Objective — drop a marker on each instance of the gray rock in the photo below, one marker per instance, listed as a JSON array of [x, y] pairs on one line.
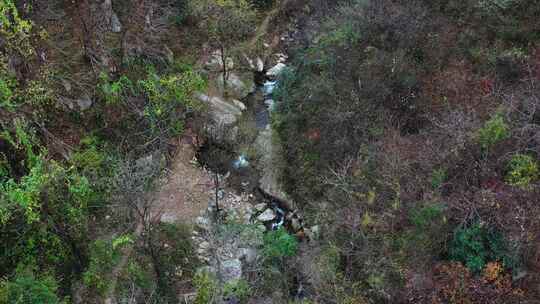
[[215, 62], [239, 104], [260, 207], [295, 224], [313, 233], [276, 70], [267, 215], [249, 255], [222, 112], [204, 245], [116, 26], [259, 64], [231, 270], [236, 86], [168, 218], [281, 58], [84, 103], [67, 85], [270, 152], [316, 230], [308, 233], [203, 222]]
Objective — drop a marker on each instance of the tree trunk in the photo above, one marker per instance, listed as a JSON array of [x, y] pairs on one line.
[[225, 72], [216, 186]]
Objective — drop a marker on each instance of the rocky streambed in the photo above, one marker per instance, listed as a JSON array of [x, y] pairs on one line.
[[249, 200]]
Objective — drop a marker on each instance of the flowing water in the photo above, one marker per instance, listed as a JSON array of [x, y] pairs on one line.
[[243, 173]]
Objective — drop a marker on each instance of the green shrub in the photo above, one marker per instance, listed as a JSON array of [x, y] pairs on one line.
[[494, 131], [279, 244], [424, 216], [205, 284], [6, 93], [262, 4], [238, 289], [114, 92], [27, 288], [477, 245], [176, 256], [438, 177], [523, 169], [4, 168], [15, 29], [427, 237], [103, 256]]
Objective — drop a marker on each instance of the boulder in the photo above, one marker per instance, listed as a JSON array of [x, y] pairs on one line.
[[215, 63], [267, 215], [203, 222], [237, 87], [116, 26], [269, 151], [204, 245], [313, 233], [281, 58], [259, 64], [239, 104], [222, 112], [276, 70], [249, 255], [84, 103], [260, 207]]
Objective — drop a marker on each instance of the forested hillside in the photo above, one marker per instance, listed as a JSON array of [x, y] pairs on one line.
[[269, 151]]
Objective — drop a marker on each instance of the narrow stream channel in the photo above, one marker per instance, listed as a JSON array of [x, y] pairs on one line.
[[243, 174]]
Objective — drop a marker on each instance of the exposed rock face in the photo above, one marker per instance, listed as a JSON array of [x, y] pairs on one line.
[[222, 112], [238, 86], [269, 166], [215, 63], [256, 65], [226, 252]]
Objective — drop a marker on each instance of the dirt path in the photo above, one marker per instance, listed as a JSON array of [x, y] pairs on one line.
[[262, 29], [186, 190], [183, 195]]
